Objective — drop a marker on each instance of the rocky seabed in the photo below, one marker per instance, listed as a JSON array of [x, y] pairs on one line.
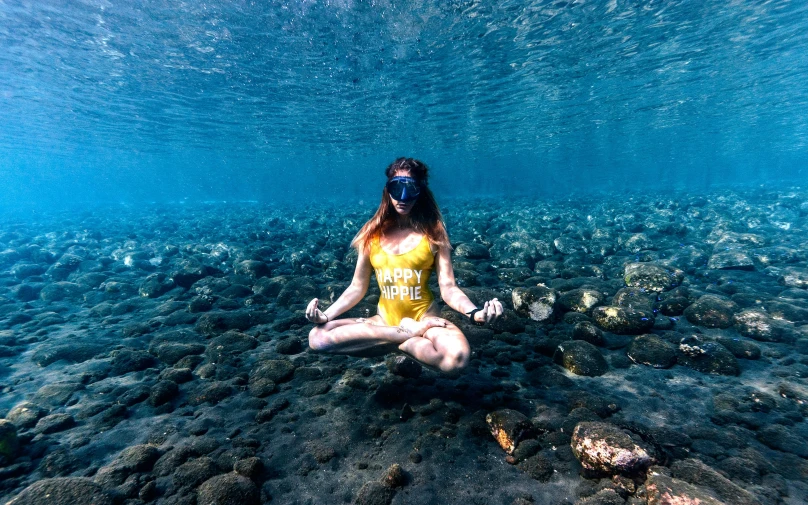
[[654, 350]]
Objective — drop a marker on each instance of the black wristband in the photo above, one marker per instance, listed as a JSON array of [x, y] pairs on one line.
[[471, 316]]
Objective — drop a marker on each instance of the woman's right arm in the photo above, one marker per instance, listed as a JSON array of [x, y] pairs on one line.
[[354, 293]]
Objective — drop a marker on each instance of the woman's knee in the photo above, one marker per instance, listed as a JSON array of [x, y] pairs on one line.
[[455, 359], [317, 341]]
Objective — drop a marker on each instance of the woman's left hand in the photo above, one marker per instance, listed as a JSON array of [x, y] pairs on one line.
[[490, 312]]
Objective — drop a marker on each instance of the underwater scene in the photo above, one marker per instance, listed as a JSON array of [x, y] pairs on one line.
[[389, 253]]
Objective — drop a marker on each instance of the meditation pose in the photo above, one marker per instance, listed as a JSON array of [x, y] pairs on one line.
[[402, 244]]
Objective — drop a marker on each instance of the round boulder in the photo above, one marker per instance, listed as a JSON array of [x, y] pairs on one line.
[[537, 302], [707, 357], [712, 311], [62, 491], [653, 351], [472, 251], [651, 277], [228, 489], [8, 442], [580, 300], [581, 358], [603, 447], [623, 320]]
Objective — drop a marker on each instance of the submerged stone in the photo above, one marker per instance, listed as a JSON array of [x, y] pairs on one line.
[[581, 358], [652, 277], [509, 427], [712, 311], [653, 351], [707, 357], [603, 447], [537, 302], [623, 320]]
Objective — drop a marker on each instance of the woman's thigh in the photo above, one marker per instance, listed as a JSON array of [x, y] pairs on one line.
[[336, 323]]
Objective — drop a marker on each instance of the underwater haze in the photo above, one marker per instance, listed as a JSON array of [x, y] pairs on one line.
[[107, 101]]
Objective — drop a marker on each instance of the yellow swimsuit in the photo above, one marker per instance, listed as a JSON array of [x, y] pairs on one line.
[[403, 281]]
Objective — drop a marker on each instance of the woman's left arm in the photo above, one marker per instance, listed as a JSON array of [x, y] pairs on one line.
[[455, 297]]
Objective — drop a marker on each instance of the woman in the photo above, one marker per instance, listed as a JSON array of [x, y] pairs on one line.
[[402, 243]]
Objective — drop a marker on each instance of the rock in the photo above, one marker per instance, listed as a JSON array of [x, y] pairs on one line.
[[156, 285], [252, 268], [375, 493], [275, 370], [697, 473], [581, 358], [135, 459], [652, 351], [740, 348], [298, 290], [733, 259], [214, 323], [651, 277], [537, 467], [622, 320], [757, 324], [211, 393], [509, 427], [603, 447], [795, 277], [56, 394], [289, 346], [62, 491], [526, 449], [712, 311], [661, 489], [472, 251], [587, 332], [394, 477], [25, 414], [673, 306], [581, 300], [226, 348], [707, 357], [228, 489], [125, 361], [634, 298], [163, 392], [54, 423], [57, 291], [9, 444], [249, 467], [315, 388], [637, 242], [72, 353], [602, 497], [404, 366], [190, 271], [537, 302], [171, 352], [194, 472], [779, 437]]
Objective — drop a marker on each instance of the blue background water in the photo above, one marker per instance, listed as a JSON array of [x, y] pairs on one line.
[[163, 100]]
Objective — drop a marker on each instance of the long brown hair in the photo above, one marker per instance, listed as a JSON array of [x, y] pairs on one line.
[[425, 215]]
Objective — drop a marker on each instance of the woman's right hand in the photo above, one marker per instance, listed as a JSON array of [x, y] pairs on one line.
[[314, 314]]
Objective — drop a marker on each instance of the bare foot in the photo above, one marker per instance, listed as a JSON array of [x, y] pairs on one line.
[[418, 328]]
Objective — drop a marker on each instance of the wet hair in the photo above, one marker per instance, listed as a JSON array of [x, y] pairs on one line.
[[425, 215]]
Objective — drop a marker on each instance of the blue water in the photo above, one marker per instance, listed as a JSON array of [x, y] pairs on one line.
[[106, 101]]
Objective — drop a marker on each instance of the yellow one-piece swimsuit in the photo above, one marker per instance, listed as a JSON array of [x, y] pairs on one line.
[[403, 281]]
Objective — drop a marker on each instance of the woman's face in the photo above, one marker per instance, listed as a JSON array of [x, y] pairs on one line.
[[403, 208]]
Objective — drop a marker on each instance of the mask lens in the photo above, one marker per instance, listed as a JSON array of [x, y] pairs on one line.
[[403, 189]]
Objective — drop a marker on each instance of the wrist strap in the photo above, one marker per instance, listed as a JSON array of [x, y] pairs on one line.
[[327, 320], [471, 315]]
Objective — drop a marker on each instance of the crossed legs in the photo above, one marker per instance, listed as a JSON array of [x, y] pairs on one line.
[[433, 341]]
